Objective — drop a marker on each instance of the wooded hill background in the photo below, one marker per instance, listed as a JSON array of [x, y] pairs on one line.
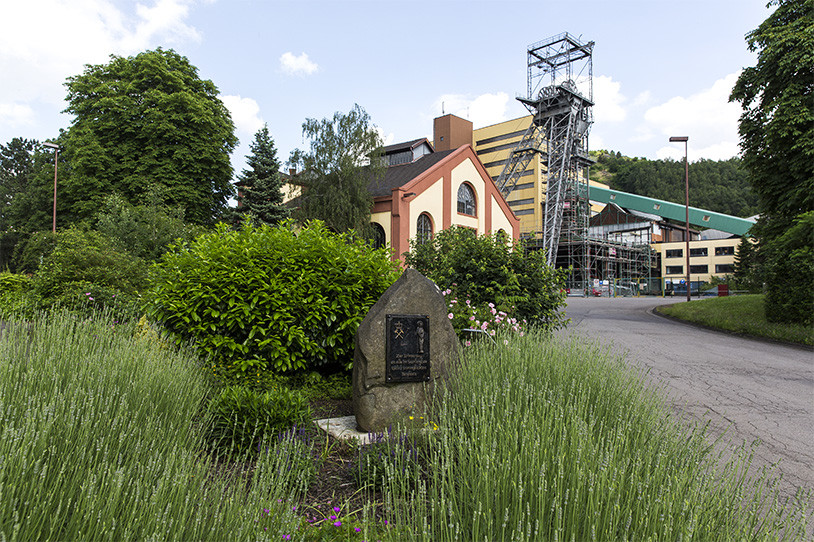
[[716, 185]]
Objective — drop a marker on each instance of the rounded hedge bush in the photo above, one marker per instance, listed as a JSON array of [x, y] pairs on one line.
[[277, 298], [484, 269], [86, 271]]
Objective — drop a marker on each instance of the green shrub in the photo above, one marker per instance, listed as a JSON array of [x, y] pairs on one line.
[[85, 265], [85, 298], [16, 295], [264, 298], [789, 296], [12, 282], [465, 317], [32, 250], [242, 417], [488, 269], [146, 229]]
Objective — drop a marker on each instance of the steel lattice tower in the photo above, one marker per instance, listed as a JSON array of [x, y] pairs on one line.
[[560, 98]]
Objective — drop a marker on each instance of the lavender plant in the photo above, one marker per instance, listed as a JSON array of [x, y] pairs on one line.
[[550, 440]]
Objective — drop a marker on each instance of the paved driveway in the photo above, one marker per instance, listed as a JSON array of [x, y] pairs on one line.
[[756, 389]]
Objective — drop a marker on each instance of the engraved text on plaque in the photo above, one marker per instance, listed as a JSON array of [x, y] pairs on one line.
[[408, 348]]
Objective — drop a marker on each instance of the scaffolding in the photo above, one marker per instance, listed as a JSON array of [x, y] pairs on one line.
[[560, 94], [560, 100]]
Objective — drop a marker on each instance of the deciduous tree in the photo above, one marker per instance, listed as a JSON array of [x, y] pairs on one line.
[[777, 123], [777, 140], [343, 158], [143, 120]]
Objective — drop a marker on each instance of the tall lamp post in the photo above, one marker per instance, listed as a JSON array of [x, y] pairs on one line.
[[684, 139], [56, 155]]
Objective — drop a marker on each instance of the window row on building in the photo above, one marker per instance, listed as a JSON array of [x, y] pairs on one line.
[[722, 268], [700, 252]]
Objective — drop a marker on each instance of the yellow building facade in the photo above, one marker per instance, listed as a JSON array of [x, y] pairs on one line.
[[708, 258], [493, 144]]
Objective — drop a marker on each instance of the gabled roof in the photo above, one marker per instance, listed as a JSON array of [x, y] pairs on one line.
[[395, 176], [405, 146]]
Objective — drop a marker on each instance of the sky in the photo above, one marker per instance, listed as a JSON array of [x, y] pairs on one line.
[[660, 68]]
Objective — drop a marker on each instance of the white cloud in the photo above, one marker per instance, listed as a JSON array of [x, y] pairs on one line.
[[165, 20], [245, 114], [597, 142], [15, 115], [707, 118], [297, 65], [387, 139], [44, 42], [642, 99], [482, 110], [608, 100]]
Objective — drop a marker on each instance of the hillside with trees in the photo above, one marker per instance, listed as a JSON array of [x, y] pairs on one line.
[[717, 185]]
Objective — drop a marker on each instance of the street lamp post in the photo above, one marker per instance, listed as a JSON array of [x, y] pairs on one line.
[[56, 155], [684, 139]]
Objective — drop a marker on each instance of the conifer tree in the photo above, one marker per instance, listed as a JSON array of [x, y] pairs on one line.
[[261, 184]]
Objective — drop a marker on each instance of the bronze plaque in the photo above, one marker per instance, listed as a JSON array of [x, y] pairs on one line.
[[408, 348]]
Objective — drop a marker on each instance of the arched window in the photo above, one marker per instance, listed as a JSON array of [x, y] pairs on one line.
[[379, 239], [466, 200], [423, 228]]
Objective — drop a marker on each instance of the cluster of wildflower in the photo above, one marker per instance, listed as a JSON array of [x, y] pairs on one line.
[[330, 517], [427, 424], [485, 317]]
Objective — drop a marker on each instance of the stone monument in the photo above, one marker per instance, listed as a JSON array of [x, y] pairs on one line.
[[404, 347]]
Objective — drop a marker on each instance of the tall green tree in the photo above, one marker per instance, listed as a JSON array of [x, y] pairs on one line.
[[16, 170], [26, 185], [261, 183], [777, 143], [777, 124], [343, 159], [143, 120], [147, 229], [26, 193]]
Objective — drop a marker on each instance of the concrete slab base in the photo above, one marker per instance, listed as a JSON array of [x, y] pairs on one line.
[[343, 428]]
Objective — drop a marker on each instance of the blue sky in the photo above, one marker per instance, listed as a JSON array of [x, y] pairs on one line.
[[661, 68]]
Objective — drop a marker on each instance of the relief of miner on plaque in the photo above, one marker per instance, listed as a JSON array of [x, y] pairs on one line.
[[408, 357]]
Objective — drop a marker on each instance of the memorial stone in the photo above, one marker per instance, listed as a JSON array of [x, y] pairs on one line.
[[404, 348]]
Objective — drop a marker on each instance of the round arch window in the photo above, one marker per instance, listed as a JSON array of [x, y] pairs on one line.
[[379, 239], [423, 228], [466, 199]]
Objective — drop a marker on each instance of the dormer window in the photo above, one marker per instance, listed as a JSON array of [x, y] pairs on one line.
[[406, 153], [398, 158]]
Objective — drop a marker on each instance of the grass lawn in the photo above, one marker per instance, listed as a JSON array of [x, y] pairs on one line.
[[739, 314]]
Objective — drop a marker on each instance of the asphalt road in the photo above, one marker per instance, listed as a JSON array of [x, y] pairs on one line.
[[750, 388]]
